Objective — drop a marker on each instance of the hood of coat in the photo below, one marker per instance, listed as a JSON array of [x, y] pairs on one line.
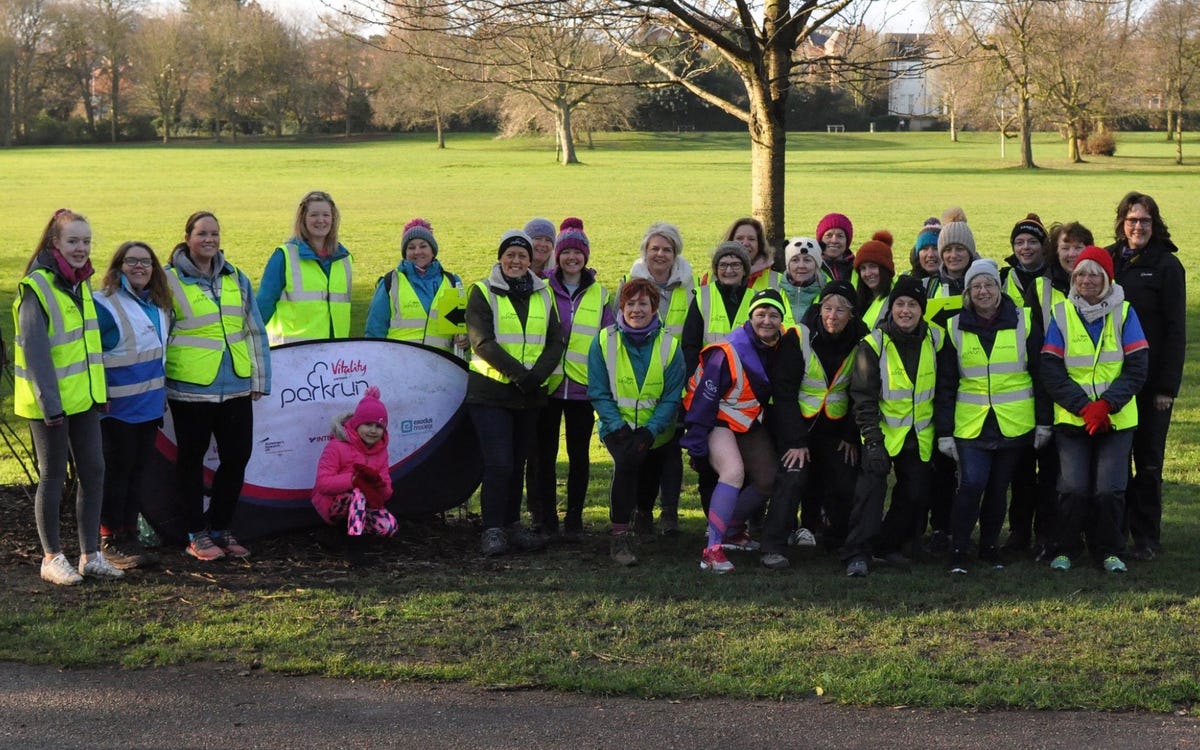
[[340, 432]]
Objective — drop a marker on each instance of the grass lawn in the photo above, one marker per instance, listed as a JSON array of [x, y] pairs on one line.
[[567, 619]]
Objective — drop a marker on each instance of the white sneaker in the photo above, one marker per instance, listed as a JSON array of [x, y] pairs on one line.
[[802, 537], [58, 571], [98, 567]]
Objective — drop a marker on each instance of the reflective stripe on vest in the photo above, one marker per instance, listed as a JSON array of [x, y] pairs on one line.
[[409, 320], [1093, 366], [637, 403], [136, 364], [739, 407], [998, 382], [1048, 296], [875, 313], [717, 324], [203, 330], [766, 280], [587, 311], [523, 343], [311, 303], [75, 351], [818, 393], [903, 404], [673, 309]]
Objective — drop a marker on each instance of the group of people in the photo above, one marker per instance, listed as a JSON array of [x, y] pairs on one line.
[[795, 385]]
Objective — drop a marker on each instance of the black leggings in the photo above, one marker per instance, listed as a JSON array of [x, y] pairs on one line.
[[580, 419], [196, 422], [126, 448]]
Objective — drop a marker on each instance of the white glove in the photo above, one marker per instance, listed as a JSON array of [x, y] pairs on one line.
[[1041, 436], [947, 447]]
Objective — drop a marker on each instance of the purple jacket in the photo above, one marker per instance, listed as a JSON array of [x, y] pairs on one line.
[[566, 305]]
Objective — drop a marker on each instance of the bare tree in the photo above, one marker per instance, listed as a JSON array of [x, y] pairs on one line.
[[77, 57], [163, 74], [24, 25], [115, 24], [1172, 39], [1004, 30]]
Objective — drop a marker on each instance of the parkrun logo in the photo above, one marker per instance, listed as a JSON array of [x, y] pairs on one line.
[[326, 382]]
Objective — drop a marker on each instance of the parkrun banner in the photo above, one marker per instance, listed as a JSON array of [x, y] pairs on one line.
[[432, 448]]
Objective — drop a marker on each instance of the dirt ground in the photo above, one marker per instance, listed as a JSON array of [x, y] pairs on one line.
[[207, 705]]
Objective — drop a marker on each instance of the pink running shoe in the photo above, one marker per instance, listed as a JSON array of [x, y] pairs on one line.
[[714, 559]]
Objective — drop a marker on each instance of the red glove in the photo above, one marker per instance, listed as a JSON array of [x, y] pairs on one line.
[[1095, 416], [366, 477]]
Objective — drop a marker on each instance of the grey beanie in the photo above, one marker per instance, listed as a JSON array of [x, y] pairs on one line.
[[956, 232], [418, 229], [730, 247], [540, 227]]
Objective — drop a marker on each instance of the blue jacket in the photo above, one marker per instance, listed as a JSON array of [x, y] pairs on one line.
[[379, 314], [144, 407], [601, 393], [273, 279]]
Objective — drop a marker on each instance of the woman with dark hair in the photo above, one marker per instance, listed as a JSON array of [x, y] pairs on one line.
[[635, 381], [749, 232], [1148, 269], [218, 365], [134, 313], [876, 270], [59, 386], [304, 293], [516, 341], [1094, 362]]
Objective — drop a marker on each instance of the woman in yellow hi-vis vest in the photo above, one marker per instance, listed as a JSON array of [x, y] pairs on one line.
[[583, 310], [305, 290], [989, 411], [1094, 363], [218, 364], [516, 342], [59, 386], [408, 300]]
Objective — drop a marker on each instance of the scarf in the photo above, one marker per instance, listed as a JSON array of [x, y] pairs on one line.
[[70, 274], [1093, 312], [637, 336]]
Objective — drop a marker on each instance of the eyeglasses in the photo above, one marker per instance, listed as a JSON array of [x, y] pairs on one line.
[[1138, 220], [980, 286], [729, 267], [138, 262]]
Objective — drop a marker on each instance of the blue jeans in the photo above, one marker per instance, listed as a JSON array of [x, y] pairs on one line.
[[1095, 471], [984, 473]]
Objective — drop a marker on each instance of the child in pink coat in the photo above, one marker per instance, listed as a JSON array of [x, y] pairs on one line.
[[353, 481]]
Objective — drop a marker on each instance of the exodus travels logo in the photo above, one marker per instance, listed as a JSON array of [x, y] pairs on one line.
[[410, 426], [326, 382]]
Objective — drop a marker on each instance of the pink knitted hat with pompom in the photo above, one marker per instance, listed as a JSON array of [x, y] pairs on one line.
[[370, 409], [570, 235]]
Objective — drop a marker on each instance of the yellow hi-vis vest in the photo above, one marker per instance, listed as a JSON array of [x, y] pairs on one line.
[[585, 324], [1094, 367], [75, 349], [409, 320], [875, 312], [311, 304], [522, 343], [717, 324], [1000, 382], [903, 404], [768, 279], [1047, 295], [203, 330], [637, 403], [819, 393], [673, 308]]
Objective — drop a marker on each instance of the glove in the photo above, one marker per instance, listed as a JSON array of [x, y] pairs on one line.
[[695, 441], [947, 447], [876, 459], [529, 385], [1095, 417], [616, 440], [643, 438], [1041, 436]]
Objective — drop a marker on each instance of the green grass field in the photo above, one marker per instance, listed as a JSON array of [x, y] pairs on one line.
[[568, 620]]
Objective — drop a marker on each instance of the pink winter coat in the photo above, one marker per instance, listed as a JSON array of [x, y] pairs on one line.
[[335, 470]]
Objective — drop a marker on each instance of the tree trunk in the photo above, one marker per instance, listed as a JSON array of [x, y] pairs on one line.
[[562, 121], [115, 100], [1179, 135], [1073, 143], [953, 125], [1026, 119], [768, 148]]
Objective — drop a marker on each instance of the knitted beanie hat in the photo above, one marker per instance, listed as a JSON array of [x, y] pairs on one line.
[[515, 237], [1098, 254], [1031, 224], [727, 248], [802, 246], [907, 286], [877, 250], [835, 221], [570, 235], [418, 229], [956, 232], [982, 267], [770, 298], [370, 409], [540, 227], [841, 288]]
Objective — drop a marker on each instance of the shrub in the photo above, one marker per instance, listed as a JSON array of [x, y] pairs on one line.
[[1099, 144]]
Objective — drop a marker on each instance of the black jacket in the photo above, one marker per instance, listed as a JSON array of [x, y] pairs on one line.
[[1155, 286]]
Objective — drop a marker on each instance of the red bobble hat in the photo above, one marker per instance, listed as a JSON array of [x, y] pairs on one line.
[[1098, 254], [877, 250]]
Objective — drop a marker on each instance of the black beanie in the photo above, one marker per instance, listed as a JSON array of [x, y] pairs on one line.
[[907, 286]]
